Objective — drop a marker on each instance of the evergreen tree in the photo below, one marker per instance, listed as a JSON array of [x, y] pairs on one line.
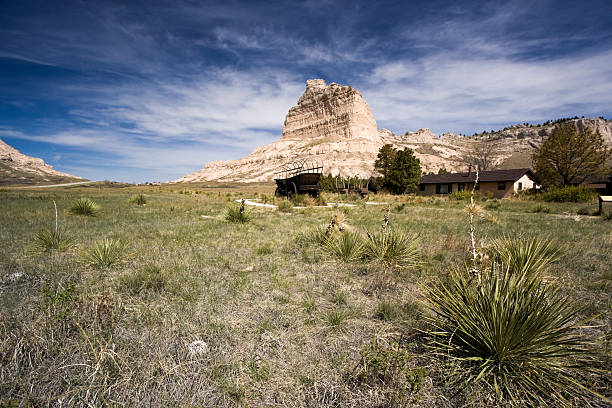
[[386, 156], [569, 156], [404, 174]]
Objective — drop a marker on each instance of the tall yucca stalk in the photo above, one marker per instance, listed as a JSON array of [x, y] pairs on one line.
[[509, 330], [49, 239]]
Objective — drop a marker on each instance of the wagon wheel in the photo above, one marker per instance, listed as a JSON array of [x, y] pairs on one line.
[[278, 192], [291, 189]]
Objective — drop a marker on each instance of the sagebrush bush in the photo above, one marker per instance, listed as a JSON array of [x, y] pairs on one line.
[[238, 214], [48, 239], [285, 206], [541, 209], [103, 254], [569, 194], [510, 333], [493, 204], [84, 206], [138, 199]]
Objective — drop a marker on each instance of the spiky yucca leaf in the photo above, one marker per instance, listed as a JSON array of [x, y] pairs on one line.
[[49, 239], [525, 255], [512, 333], [84, 206], [104, 253], [313, 236], [347, 246], [393, 247]]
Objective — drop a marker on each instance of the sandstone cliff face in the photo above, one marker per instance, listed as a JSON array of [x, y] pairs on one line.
[[16, 167], [334, 124], [331, 123]]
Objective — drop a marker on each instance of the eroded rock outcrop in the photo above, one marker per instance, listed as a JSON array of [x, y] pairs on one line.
[[334, 124], [16, 167], [330, 122]]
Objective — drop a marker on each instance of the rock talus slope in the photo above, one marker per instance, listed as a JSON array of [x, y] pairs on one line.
[[18, 168], [334, 124]]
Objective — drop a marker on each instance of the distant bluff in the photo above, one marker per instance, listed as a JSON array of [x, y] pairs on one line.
[[17, 168], [334, 124]]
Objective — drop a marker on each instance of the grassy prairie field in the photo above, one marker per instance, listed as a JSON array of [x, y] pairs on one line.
[[200, 311]]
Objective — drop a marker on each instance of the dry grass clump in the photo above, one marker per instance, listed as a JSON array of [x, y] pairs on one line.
[[149, 278], [48, 239]]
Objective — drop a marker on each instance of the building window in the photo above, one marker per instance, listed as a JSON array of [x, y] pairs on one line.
[[501, 185], [460, 187], [477, 187], [444, 188], [520, 186], [421, 187]]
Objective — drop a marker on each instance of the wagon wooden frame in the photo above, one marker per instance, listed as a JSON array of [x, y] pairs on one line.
[[299, 177]]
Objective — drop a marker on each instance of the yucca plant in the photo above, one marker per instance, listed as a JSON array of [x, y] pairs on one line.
[[393, 247], [104, 253], [347, 246], [511, 333], [138, 199], [84, 206], [313, 236], [49, 239], [237, 214], [525, 255]]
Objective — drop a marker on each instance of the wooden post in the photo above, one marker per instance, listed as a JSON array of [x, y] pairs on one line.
[[600, 205]]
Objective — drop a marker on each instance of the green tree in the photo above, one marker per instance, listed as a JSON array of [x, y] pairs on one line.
[[404, 174], [569, 156], [386, 156], [442, 170]]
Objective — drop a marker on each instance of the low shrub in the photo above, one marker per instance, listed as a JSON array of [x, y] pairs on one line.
[[493, 204], [138, 199], [569, 194], [285, 206], [84, 206], [237, 214], [463, 195], [540, 208], [104, 253]]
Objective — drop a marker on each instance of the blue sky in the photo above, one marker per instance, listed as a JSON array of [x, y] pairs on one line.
[[153, 90]]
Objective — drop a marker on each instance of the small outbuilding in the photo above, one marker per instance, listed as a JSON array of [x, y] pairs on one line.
[[501, 183]]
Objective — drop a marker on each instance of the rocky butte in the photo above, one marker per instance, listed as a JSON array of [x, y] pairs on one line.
[[17, 168], [335, 125]]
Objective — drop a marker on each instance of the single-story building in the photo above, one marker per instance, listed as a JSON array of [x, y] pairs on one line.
[[501, 183], [601, 184]]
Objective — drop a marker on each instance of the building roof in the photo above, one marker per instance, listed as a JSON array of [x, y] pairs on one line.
[[483, 176]]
